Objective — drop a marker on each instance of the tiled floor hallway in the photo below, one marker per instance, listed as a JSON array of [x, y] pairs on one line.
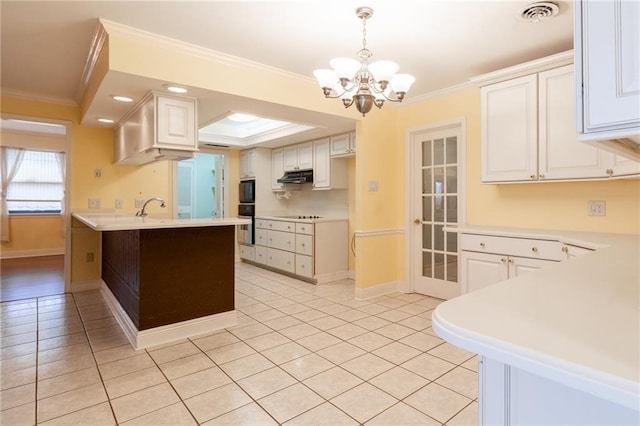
[[300, 355]]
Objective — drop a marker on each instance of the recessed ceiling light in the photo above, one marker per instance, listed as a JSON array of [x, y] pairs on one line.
[[122, 98], [175, 89], [242, 118], [105, 120]]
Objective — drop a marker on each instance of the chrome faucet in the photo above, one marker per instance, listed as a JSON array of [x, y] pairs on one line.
[[142, 212]]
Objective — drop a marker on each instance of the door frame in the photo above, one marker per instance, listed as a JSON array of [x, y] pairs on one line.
[[412, 134]]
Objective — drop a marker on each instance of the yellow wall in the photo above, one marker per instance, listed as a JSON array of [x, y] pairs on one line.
[[34, 233], [561, 206]]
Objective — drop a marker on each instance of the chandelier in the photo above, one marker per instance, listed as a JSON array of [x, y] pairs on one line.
[[360, 82]]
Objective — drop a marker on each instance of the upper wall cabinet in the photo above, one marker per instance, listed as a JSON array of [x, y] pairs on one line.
[[248, 164], [160, 127], [298, 157], [607, 50], [528, 132], [343, 145], [277, 168], [328, 173]]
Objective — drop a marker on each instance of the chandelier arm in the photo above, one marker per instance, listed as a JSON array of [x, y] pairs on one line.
[[327, 93]]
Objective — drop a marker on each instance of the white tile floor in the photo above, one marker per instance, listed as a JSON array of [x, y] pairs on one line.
[[300, 355]]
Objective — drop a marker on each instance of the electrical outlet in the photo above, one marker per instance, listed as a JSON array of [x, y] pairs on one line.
[[139, 203], [89, 256], [94, 203], [596, 208], [119, 203]]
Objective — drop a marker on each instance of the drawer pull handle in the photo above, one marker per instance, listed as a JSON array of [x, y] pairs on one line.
[[510, 260], [609, 172], [482, 245], [503, 260], [534, 249], [541, 175], [565, 249], [301, 244], [532, 176]]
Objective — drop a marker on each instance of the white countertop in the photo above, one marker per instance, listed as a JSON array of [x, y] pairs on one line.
[[576, 322], [121, 222]]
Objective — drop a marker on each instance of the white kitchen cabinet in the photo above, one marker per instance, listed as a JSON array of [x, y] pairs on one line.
[[343, 145], [248, 164], [528, 132], [328, 172], [314, 251], [298, 157], [607, 44], [247, 252], [489, 259], [277, 168], [159, 127]]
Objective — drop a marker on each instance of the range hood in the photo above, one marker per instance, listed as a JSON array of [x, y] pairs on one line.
[[299, 176]]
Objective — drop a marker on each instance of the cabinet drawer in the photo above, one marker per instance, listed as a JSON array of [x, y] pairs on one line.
[[281, 260], [523, 247], [304, 244], [304, 228], [277, 225], [574, 251], [262, 223], [261, 237], [304, 265], [281, 240], [247, 252], [260, 255]]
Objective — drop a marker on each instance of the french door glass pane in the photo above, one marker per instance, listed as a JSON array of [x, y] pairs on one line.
[[439, 207]]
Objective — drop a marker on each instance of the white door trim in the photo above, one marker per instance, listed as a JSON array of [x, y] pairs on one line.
[[411, 134]]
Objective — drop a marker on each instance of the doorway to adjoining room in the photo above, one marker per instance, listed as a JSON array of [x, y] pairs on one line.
[[201, 187]]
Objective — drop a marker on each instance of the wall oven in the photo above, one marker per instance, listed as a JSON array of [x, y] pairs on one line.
[[247, 191], [246, 232]]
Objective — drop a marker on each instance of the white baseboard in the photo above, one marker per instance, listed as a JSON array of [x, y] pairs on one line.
[[331, 276], [375, 291], [15, 254], [166, 333], [78, 286]]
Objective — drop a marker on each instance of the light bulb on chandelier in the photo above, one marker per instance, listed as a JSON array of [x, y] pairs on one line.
[[362, 83]]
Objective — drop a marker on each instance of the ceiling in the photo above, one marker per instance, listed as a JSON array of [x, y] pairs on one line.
[[44, 45]]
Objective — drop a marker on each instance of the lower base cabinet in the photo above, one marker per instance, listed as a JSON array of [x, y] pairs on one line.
[[512, 396], [316, 252]]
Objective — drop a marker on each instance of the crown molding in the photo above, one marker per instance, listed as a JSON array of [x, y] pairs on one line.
[[38, 97], [100, 37], [194, 50], [531, 67], [437, 94]]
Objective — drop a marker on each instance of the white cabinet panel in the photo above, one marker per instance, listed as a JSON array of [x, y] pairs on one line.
[[510, 131], [261, 237], [260, 255], [248, 164], [343, 145], [479, 270], [247, 252], [304, 228], [281, 259], [176, 122], [561, 155], [304, 265], [328, 173], [277, 168], [304, 244], [277, 225], [610, 64], [281, 240], [298, 157]]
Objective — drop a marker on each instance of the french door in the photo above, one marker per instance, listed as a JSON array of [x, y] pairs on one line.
[[437, 201]]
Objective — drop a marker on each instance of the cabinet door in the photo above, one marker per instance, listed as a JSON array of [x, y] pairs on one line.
[[479, 270], [321, 165], [509, 131], [247, 252], [176, 123], [277, 168], [521, 265], [261, 237], [561, 155], [305, 156], [281, 260], [290, 158], [281, 240], [260, 255], [304, 244], [622, 166], [304, 265], [247, 164], [611, 64], [341, 145]]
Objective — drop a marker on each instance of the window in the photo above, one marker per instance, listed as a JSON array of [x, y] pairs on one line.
[[38, 186]]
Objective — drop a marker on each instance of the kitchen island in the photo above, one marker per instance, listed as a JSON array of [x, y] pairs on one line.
[[560, 345], [166, 279]]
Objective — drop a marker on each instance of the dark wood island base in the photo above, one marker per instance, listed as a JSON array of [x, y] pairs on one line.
[[170, 282]]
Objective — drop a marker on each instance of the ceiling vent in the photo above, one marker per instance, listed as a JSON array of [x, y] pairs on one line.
[[536, 12]]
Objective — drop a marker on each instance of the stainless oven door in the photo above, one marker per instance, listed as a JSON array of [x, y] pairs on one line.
[[245, 232]]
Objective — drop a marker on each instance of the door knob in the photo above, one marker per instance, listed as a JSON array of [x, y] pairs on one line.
[[417, 221]]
